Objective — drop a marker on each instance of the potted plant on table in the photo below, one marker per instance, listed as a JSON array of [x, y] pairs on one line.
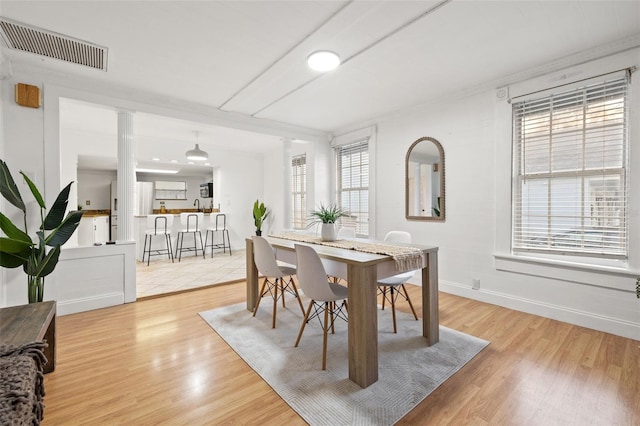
[[327, 216], [260, 213], [17, 248]]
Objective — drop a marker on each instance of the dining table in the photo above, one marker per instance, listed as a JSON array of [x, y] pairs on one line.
[[362, 270]]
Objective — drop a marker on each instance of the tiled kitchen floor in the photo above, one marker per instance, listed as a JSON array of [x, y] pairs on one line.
[[162, 276]]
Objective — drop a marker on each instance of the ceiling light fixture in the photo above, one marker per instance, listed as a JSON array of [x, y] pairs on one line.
[[159, 171], [323, 60], [197, 154]]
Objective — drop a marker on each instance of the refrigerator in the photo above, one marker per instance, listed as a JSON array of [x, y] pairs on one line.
[[143, 204]]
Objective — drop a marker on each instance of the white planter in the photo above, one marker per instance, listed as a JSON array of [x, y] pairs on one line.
[[328, 232]]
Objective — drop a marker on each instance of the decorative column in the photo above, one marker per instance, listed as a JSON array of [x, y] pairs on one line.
[[286, 187], [126, 175]]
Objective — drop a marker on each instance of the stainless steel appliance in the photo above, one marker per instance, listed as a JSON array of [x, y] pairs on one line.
[[206, 190]]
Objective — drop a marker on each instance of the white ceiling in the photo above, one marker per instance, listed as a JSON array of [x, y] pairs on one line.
[[249, 57]]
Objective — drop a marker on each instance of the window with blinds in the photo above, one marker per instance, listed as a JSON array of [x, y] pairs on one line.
[[570, 172], [353, 184], [299, 191]]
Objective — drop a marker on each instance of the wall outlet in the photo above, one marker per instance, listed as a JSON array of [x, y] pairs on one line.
[[88, 202], [475, 284]]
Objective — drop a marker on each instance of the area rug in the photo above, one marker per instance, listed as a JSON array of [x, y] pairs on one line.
[[408, 369]]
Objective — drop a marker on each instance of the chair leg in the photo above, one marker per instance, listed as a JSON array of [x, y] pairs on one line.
[[325, 329], [264, 283], [170, 247], [201, 246], [275, 303], [393, 309], [282, 287], [333, 323], [384, 295], [144, 250], [406, 295], [295, 289], [304, 323], [226, 231]]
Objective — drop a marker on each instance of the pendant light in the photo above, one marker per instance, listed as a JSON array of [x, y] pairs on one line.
[[197, 154]]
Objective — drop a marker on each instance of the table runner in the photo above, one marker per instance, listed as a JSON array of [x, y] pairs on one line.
[[406, 258]]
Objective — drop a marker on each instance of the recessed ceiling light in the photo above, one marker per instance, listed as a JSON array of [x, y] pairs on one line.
[[323, 60], [156, 159], [207, 164], [174, 161]]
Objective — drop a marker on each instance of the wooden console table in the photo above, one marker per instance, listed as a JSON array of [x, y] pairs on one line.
[[34, 322]]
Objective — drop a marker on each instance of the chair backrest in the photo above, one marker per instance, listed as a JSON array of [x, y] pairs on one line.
[[398, 237], [312, 276], [160, 222], [346, 232], [191, 221], [219, 221], [265, 258]]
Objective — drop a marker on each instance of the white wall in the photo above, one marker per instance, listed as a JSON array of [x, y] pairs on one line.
[[467, 129], [33, 145], [95, 187]]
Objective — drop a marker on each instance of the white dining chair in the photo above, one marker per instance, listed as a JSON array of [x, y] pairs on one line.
[[192, 223], [392, 287], [324, 295], [158, 224], [268, 266]]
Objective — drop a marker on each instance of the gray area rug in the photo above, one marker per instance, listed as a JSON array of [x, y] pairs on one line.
[[408, 369]]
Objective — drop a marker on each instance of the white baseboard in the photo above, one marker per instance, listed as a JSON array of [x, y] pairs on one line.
[[572, 316], [89, 303]]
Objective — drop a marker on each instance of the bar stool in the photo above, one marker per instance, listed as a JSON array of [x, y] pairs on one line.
[[220, 225], [191, 223], [161, 226]]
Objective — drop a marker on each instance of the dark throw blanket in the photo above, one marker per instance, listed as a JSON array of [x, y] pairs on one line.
[[22, 384]]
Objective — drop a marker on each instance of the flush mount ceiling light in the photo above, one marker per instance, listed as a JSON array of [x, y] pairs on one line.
[[197, 154], [159, 171], [323, 60]]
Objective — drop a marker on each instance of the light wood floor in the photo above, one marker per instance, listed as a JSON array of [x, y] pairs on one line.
[[156, 362]]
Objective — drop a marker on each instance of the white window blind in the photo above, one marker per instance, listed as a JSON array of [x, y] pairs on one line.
[[299, 191], [353, 184], [570, 172]]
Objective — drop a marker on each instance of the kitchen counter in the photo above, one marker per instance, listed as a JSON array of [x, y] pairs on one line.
[[95, 213], [178, 211]]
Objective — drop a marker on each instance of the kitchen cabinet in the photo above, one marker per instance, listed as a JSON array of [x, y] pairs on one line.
[[93, 229]]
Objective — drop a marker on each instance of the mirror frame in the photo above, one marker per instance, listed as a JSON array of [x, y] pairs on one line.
[[443, 203]]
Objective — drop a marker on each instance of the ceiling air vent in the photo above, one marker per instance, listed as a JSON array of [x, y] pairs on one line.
[[30, 39]]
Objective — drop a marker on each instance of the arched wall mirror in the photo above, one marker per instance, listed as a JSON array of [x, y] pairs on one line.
[[424, 182]]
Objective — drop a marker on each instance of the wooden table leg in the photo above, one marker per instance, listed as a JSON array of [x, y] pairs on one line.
[[252, 278], [430, 314], [50, 351], [363, 324]]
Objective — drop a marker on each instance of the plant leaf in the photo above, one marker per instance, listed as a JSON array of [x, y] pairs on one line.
[[63, 232], [13, 231], [49, 262], [34, 190], [10, 261], [15, 247], [9, 189], [56, 213], [40, 266]]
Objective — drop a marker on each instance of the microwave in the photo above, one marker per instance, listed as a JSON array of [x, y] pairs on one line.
[[206, 190]]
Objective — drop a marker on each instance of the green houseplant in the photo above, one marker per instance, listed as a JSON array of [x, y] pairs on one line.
[[17, 247], [260, 213], [327, 216]]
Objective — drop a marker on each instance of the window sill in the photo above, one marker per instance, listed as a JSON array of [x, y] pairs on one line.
[[613, 277]]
